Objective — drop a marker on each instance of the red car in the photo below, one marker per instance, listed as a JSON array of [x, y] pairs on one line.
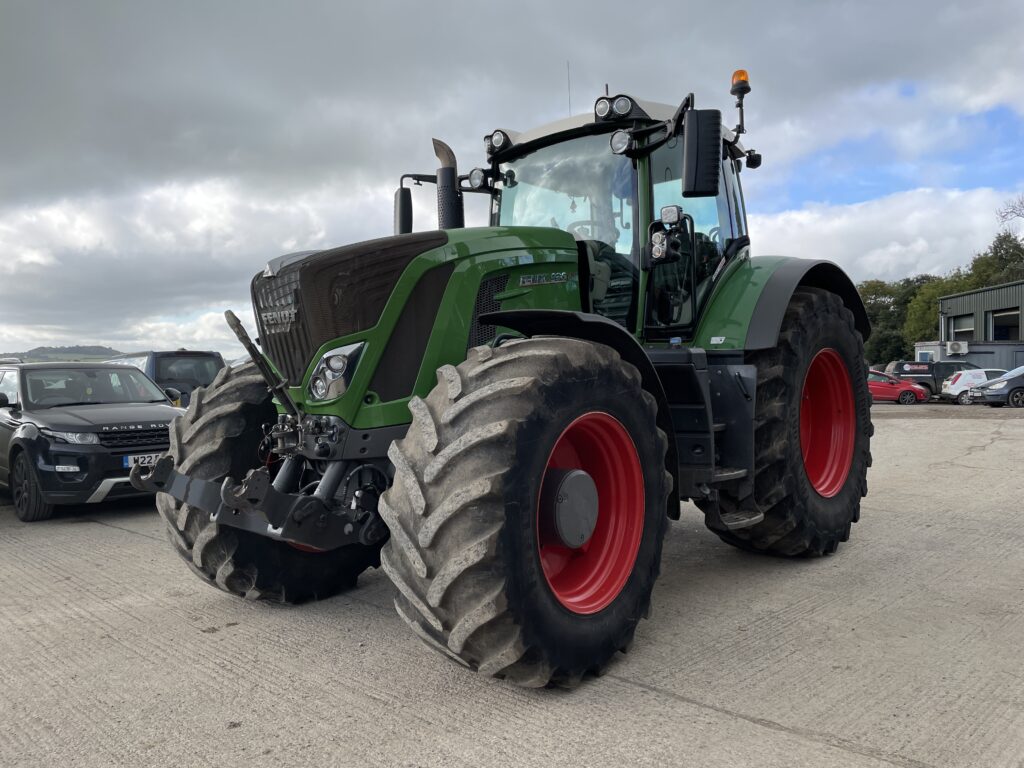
[[883, 387]]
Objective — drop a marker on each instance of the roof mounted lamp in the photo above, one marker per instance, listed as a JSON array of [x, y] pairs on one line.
[[740, 88]]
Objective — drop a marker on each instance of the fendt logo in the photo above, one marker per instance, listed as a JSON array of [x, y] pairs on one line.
[[278, 319], [132, 427]]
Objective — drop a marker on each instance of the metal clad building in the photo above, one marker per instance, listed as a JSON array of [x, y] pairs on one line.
[[987, 322]]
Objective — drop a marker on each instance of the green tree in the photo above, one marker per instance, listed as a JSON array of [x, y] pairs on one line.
[[886, 304], [922, 322], [1001, 262]]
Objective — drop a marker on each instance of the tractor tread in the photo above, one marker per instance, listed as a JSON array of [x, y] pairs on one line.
[[446, 506], [217, 437]]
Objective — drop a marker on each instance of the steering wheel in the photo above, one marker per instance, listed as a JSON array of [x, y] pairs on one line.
[[574, 228], [715, 236]]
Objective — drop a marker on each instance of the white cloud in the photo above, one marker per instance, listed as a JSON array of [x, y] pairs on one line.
[[914, 232]]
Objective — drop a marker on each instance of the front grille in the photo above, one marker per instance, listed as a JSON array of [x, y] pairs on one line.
[[485, 302], [136, 438], [329, 294]]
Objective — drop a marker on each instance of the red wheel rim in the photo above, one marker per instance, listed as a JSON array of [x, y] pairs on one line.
[[827, 423], [588, 579]]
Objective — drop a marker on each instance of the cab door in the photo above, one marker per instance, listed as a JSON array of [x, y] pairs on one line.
[[678, 290]]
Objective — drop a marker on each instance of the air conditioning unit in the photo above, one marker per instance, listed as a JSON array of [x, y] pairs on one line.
[[957, 348]]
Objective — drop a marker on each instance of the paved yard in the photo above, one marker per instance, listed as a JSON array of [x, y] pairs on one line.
[[906, 648]]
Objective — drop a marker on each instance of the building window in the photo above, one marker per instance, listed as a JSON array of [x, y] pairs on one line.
[[961, 328], [1004, 324]]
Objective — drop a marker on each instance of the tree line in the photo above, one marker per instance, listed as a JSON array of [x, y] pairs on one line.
[[905, 311]]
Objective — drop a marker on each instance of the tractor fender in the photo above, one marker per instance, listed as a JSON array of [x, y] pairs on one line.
[[599, 329], [766, 320]]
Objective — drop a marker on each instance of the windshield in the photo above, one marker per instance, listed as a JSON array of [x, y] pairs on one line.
[[84, 386], [187, 371], [578, 186]]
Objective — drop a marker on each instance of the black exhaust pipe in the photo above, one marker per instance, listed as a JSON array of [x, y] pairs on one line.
[[449, 198]]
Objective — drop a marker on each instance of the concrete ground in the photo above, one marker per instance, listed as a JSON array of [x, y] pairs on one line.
[[904, 649]]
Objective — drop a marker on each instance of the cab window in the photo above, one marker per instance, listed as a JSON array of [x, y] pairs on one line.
[[679, 289]]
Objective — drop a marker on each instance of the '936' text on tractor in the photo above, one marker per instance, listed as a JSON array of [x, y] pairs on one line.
[[505, 418]]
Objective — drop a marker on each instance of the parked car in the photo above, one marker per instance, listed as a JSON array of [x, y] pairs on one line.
[[958, 386], [927, 374], [70, 432], [1008, 389], [886, 388], [184, 370]]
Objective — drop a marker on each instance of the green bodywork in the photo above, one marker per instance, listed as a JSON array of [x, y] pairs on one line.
[[542, 265]]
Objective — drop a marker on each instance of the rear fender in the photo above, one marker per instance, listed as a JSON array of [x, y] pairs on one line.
[[746, 309], [599, 329]]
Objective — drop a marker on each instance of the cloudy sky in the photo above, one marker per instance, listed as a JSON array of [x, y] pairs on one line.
[[154, 155]]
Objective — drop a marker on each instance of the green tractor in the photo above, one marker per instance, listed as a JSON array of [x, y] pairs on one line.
[[506, 418]]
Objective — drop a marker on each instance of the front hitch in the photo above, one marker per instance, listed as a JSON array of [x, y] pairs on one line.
[[255, 505]]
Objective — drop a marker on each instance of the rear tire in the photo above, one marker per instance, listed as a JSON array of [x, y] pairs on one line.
[[907, 398], [218, 437], [809, 504], [28, 496], [477, 578], [964, 398]]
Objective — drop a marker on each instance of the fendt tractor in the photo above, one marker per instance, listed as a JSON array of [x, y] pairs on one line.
[[505, 418]]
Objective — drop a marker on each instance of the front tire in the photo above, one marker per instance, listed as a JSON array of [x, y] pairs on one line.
[[480, 575], [28, 496], [812, 432], [1016, 398], [218, 437]]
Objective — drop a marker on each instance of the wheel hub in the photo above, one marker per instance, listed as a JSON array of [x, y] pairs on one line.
[[588, 541], [569, 504], [827, 423]]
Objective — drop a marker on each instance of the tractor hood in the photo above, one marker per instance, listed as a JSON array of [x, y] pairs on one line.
[[304, 300]]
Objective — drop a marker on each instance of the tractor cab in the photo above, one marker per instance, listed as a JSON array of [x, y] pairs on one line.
[[610, 178]]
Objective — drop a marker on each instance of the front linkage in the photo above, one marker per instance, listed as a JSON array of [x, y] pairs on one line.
[[263, 504]]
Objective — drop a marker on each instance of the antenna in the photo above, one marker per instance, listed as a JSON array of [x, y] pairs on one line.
[[568, 85], [606, 89]]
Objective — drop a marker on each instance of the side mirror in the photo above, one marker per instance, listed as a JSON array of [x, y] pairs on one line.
[[174, 395], [4, 400], [403, 211], [702, 152]]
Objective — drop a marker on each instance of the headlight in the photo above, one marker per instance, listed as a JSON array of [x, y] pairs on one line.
[[76, 438], [477, 178], [499, 140], [622, 106], [334, 371], [602, 107], [1000, 385], [620, 142]]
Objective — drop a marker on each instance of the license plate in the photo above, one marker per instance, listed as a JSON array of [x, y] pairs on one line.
[[142, 459]]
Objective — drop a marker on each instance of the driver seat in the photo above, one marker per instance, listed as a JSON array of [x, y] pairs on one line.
[[600, 271]]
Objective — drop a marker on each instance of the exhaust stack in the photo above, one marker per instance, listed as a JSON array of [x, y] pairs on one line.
[[449, 198]]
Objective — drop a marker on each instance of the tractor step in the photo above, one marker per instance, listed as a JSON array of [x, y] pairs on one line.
[[743, 518], [725, 474]]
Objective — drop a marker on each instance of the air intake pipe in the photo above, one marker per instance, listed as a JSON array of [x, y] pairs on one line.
[[449, 198]]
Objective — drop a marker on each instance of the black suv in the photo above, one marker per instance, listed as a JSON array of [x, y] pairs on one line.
[[185, 370], [70, 432], [927, 375]]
